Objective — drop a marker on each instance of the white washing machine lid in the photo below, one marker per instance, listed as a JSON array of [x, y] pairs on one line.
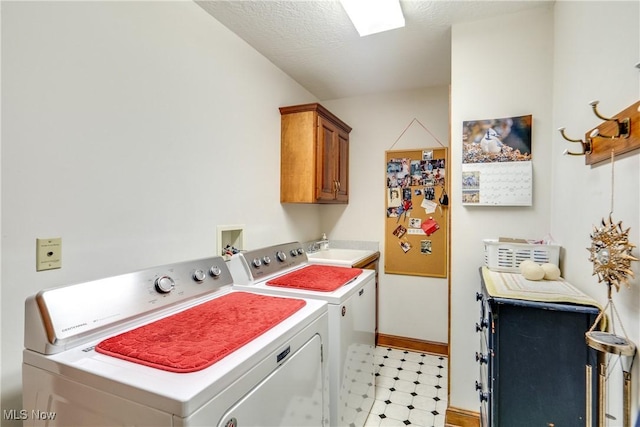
[[251, 270], [337, 296]]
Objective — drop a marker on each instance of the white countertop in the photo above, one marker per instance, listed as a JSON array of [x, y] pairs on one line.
[[338, 256]]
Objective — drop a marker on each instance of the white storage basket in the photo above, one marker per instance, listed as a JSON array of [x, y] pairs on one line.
[[506, 256]]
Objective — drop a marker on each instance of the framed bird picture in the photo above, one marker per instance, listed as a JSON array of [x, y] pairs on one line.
[[496, 162]]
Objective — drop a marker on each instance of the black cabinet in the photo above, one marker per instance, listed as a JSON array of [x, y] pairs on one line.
[[532, 360]]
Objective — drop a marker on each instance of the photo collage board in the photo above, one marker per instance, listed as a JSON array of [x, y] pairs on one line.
[[417, 214]]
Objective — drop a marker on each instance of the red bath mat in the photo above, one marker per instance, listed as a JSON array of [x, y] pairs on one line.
[[323, 278], [200, 336]]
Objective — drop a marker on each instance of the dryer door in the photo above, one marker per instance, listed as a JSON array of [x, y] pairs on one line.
[[292, 395]]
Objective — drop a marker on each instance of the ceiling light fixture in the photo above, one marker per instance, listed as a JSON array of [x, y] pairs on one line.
[[374, 16]]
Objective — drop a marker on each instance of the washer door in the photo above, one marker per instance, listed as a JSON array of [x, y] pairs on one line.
[[292, 395]]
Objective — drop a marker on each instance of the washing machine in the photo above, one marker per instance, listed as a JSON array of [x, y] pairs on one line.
[[174, 345], [284, 270]]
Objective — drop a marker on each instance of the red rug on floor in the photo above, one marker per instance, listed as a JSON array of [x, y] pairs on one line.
[[323, 278], [200, 336]]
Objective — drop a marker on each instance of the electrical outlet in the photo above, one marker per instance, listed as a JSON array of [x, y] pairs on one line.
[[48, 253]]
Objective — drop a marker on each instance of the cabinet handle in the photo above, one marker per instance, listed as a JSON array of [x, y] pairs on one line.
[[478, 296], [484, 397], [478, 386], [481, 358], [483, 324]]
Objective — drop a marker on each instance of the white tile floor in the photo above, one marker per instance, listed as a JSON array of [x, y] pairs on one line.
[[411, 389]]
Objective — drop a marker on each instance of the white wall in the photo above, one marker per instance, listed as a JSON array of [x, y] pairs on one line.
[[596, 62], [550, 63], [409, 306], [501, 67], [131, 130]]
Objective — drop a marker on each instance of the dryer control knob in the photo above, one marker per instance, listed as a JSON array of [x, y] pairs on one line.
[[281, 256], [256, 262], [215, 271], [293, 252], [199, 276], [164, 284], [300, 251], [266, 260]]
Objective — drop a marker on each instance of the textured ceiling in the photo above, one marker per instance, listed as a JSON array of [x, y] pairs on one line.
[[315, 43]]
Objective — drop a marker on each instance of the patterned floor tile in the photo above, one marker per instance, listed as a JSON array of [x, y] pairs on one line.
[[411, 389]]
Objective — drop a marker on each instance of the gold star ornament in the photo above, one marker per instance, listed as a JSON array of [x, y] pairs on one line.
[[610, 253]]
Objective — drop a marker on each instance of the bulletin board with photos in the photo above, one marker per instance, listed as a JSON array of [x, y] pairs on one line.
[[417, 212]]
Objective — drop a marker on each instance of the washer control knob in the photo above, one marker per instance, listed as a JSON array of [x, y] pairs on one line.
[[266, 260], [199, 276], [256, 262], [294, 252], [281, 256], [164, 284], [215, 271], [300, 251]]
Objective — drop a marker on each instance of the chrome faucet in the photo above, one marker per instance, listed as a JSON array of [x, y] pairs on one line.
[[320, 245], [313, 247], [324, 242]]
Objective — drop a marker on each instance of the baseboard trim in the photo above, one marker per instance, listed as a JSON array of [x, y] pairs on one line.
[[413, 344], [457, 417]]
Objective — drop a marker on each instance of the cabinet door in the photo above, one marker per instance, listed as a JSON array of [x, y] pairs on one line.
[[342, 167], [326, 161]]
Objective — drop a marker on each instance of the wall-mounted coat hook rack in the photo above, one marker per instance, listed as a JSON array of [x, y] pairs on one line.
[[620, 134], [625, 124]]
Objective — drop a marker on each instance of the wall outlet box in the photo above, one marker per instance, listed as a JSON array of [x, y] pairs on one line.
[[232, 235], [48, 253]]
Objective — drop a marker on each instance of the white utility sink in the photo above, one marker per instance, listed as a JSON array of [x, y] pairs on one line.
[[334, 256]]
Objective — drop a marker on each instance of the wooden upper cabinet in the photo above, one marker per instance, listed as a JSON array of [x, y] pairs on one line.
[[314, 164]]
